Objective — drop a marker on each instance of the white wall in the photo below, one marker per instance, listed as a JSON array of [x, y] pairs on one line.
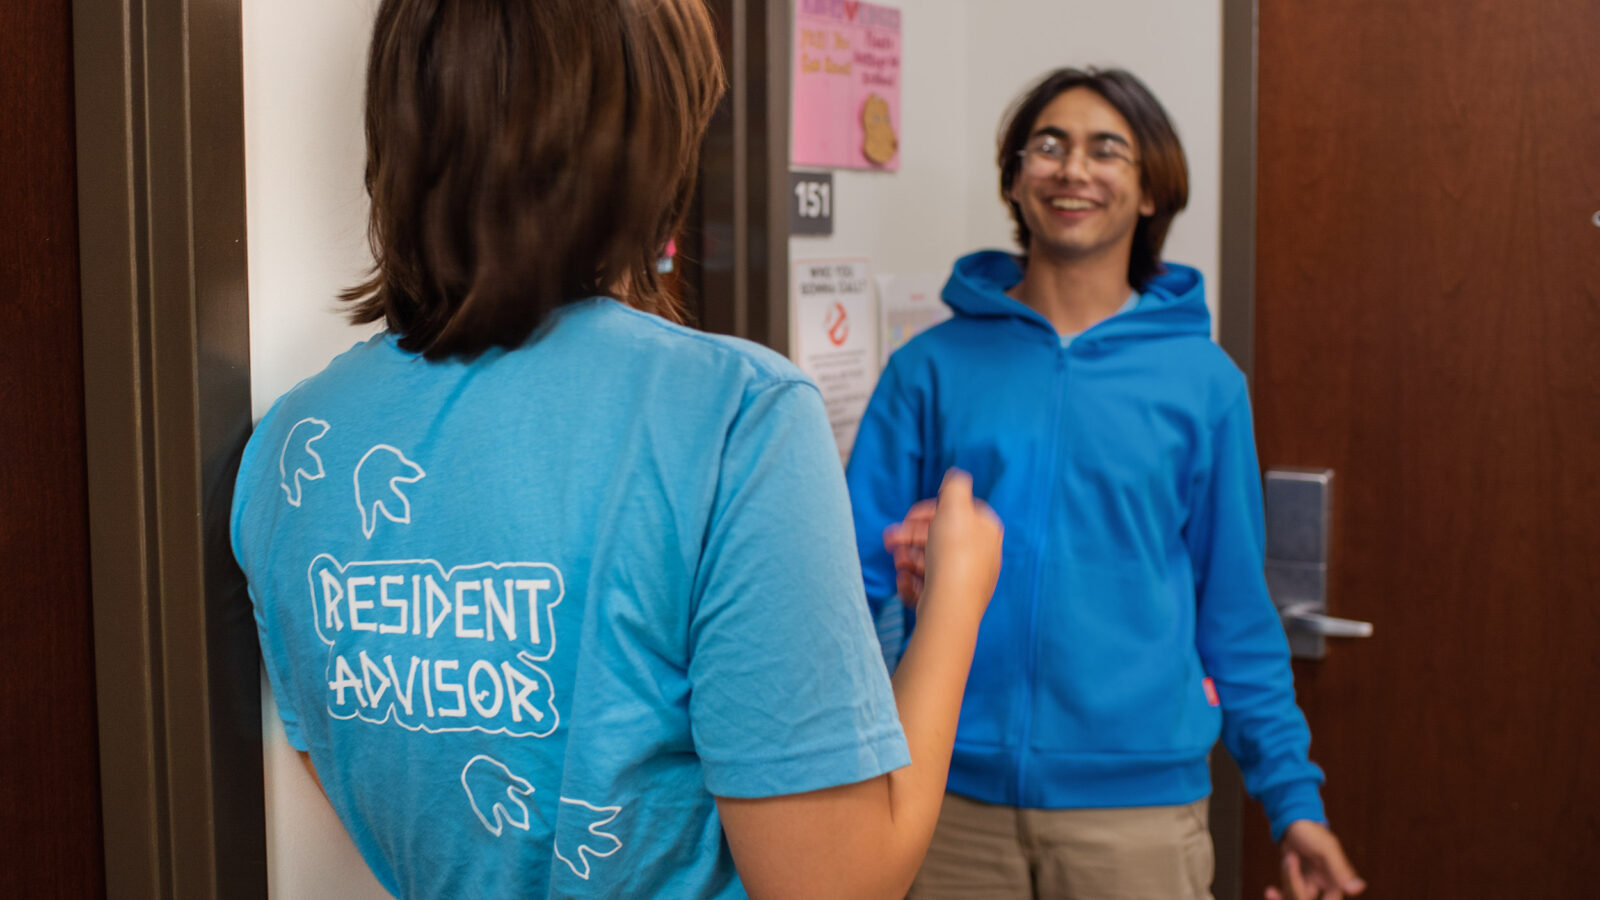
[[305, 153], [304, 156], [1174, 46]]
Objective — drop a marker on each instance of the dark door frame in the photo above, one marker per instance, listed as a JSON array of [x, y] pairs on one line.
[[1236, 319], [1236, 334], [743, 287], [160, 135], [159, 95]]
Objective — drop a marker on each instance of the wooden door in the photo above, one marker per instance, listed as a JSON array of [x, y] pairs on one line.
[[1428, 326], [49, 766]]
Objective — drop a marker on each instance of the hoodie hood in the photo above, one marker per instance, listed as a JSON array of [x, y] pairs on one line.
[[1173, 303]]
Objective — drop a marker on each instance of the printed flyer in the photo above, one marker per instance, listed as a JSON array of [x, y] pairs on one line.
[[846, 85], [836, 338]]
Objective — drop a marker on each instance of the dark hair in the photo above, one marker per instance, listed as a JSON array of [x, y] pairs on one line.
[[1163, 171], [521, 155]]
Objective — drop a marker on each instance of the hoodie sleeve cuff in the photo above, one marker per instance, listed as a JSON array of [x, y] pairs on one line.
[[1289, 803]]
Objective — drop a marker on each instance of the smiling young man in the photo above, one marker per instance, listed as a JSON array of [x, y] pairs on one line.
[[1079, 385]]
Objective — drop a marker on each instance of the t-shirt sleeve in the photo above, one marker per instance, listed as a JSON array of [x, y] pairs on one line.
[[788, 688], [277, 678], [245, 528]]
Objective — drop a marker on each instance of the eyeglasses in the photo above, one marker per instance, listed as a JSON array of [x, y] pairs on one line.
[[1047, 156]]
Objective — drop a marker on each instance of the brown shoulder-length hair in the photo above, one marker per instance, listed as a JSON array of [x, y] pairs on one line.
[[521, 155], [1163, 169]]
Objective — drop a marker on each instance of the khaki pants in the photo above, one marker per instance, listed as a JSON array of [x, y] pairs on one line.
[[1003, 853]]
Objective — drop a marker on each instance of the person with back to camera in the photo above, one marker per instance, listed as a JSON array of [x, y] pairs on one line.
[[1079, 385], [557, 597]]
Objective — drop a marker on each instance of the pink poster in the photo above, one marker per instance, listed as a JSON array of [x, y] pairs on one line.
[[846, 85]]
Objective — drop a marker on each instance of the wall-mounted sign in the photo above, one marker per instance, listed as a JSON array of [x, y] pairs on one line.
[[846, 85], [836, 338], [811, 203]]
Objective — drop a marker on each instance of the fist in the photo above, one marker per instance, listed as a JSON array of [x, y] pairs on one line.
[[961, 555]]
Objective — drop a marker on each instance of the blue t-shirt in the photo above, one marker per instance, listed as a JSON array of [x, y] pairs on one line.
[[529, 613]]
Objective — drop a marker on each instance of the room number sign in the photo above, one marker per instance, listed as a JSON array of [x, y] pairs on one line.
[[811, 203]]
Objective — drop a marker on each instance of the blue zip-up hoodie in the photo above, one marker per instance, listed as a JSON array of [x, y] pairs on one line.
[[1124, 468]]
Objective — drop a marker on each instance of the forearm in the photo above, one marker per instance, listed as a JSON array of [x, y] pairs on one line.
[[928, 687]]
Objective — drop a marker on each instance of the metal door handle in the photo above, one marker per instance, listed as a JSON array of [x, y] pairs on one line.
[[1304, 617], [1298, 519]]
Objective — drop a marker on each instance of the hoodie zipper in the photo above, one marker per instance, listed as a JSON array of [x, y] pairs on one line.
[[1029, 688]]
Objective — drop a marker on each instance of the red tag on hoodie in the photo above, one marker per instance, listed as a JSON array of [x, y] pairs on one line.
[[1211, 692]]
